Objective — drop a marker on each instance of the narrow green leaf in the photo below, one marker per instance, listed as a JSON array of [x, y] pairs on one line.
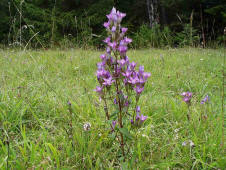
[[125, 132]]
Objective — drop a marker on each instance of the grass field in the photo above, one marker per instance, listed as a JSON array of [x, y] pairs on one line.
[[36, 120]]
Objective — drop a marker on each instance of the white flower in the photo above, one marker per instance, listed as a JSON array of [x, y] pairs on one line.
[[184, 143], [191, 143], [87, 126], [176, 130]]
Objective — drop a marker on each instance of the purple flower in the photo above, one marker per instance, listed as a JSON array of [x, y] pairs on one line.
[[103, 57], [101, 65], [141, 70], [137, 117], [138, 109], [122, 62], [114, 123], [146, 75], [113, 15], [140, 119], [120, 16], [124, 30], [143, 118], [127, 74], [132, 65], [126, 104], [126, 59], [127, 40], [108, 50], [99, 89], [115, 101], [113, 29], [133, 80], [138, 89], [106, 25], [206, 99], [142, 81], [187, 97], [108, 81], [122, 49], [117, 71], [107, 40], [113, 45]]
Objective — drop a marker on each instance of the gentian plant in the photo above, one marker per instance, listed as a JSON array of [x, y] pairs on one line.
[[187, 99], [120, 84]]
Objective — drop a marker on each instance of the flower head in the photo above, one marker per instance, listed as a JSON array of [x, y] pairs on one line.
[[138, 89], [139, 120], [205, 99], [99, 89], [117, 71], [187, 97], [124, 29], [108, 81], [114, 124], [87, 126]]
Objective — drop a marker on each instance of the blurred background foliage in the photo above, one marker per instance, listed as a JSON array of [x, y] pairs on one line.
[[78, 23]]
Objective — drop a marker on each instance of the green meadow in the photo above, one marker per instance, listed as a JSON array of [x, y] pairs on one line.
[[40, 130]]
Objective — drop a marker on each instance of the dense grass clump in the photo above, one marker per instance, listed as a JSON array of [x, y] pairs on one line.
[[46, 97]]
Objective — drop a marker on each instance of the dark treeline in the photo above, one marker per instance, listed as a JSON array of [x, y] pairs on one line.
[[78, 23]]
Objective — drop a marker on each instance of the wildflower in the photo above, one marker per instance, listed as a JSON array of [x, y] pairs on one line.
[[122, 62], [176, 130], [127, 40], [108, 81], [112, 45], [127, 73], [184, 143], [101, 65], [115, 101], [114, 123], [106, 25], [141, 70], [69, 103], [138, 89], [133, 80], [122, 49], [103, 56], [140, 119], [138, 109], [117, 71], [132, 65], [146, 75], [113, 29], [124, 29], [107, 40], [87, 126], [206, 99], [98, 89], [191, 143], [187, 97], [143, 118]]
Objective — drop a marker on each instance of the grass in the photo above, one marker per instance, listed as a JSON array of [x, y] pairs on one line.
[[36, 120]]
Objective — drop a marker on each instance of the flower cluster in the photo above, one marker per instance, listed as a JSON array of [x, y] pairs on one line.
[[115, 63], [139, 118], [118, 77], [187, 97]]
